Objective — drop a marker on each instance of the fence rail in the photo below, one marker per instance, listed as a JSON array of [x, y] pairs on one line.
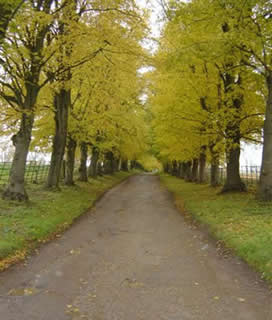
[[250, 175], [36, 172]]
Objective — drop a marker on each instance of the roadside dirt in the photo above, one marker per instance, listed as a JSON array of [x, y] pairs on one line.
[[133, 257]]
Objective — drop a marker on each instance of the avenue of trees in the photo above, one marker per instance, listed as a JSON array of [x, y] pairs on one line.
[[211, 89], [70, 85]]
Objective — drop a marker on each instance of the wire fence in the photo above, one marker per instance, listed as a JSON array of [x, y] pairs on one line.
[[250, 175], [36, 172]]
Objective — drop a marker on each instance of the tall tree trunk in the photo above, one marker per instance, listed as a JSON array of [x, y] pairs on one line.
[[120, 164], [264, 191], [99, 169], [233, 180], [195, 170], [165, 167], [170, 168], [108, 163], [188, 171], [62, 102], [124, 165], [71, 152], [116, 164], [83, 172], [94, 161], [214, 182], [180, 169], [63, 169], [132, 164], [138, 166], [16, 187], [174, 168], [202, 165], [183, 170]]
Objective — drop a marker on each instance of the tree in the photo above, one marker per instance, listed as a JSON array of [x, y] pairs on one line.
[[44, 45], [23, 56], [202, 97], [253, 41], [7, 12], [103, 26]]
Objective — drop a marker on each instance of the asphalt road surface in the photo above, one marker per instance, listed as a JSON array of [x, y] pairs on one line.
[[133, 257]]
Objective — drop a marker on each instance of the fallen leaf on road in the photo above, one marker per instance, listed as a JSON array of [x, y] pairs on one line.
[[133, 283], [241, 299], [23, 292], [73, 251]]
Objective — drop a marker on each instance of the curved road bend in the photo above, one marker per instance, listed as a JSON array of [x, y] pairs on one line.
[[133, 257]]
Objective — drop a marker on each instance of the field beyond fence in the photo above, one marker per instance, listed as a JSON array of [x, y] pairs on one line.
[[249, 174], [36, 172]]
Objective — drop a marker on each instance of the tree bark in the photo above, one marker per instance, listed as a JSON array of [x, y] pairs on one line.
[[188, 171], [233, 181], [108, 163], [62, 102], [138, 166], [71, 152], [214, 182], [180, 168], [183, 170], [120, 163], [99, 169], [166, 167], [83, 172], [116, 164], [94, 161], [195, 170], [132, 164], [124, 165], [174, 168], [264, 191], [16, 187], [202, 165], [63, 169], [170, 168]]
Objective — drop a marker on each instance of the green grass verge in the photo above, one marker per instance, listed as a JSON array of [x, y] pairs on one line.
[[24, 226], [242, 223]]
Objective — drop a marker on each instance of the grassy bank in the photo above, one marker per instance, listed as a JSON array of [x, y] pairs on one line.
[[24, 226], [242, 223]]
